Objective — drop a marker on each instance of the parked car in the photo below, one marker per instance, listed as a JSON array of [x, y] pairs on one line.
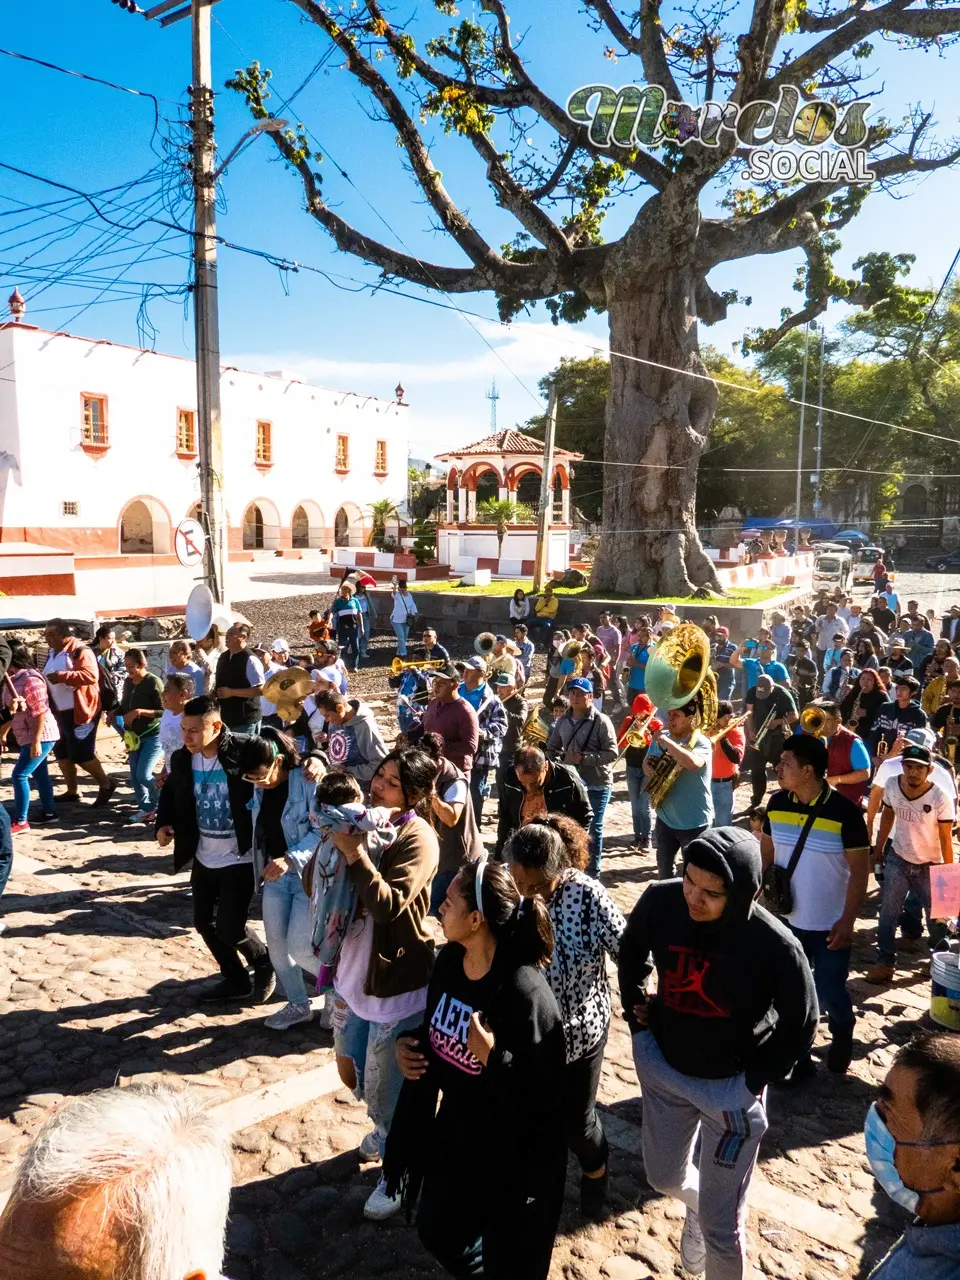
[[944, 560], [835, 567]]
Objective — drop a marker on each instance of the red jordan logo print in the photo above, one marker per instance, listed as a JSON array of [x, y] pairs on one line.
[[683, 987]]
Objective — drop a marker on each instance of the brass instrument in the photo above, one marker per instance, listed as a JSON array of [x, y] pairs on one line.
[[638, 734], [679, 672], [883, 746], [735, 723], [950, 750], [398, 666], [286, 690], [765, 728], [572, 650], [483, 645], [933, 695], [536, 729], [813, 720]]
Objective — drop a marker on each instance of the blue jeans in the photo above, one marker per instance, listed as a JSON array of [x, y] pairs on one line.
[[143, 763], [34, 767], [6, 848], [287, 924], [438, 890], [363, 639], [371, 1048], [830, 972], [401, 630], [540, 624], [899, 879], [599, 798], [722, 791], [479, 788], [639, 805], [347, 639]]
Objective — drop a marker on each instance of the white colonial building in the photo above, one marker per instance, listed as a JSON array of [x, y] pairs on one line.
[[98, 454]]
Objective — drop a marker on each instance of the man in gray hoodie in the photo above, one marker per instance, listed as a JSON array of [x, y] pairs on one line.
[[354, 742], [585, 739], [913, 1145]]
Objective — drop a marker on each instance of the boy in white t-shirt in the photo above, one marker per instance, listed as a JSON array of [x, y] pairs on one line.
[[177, 692], [917, 817]]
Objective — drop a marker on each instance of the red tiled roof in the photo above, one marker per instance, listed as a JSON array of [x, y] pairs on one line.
[[507, 441]]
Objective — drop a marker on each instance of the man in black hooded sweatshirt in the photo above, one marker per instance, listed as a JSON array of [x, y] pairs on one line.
[[735, 1008]]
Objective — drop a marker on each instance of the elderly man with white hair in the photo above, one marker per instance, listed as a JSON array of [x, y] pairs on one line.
[[122, 1184]]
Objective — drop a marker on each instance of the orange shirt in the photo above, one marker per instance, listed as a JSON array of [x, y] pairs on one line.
[[723, 767]]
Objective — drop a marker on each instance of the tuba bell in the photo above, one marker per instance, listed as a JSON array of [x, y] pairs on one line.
[[483, 645], [678, 672], [813, 721], [536, 729]]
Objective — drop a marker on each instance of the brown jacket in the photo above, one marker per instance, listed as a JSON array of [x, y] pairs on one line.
[[83, 679], [397, 896]]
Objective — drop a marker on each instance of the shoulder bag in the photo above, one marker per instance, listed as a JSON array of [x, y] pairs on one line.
[[776, 889]]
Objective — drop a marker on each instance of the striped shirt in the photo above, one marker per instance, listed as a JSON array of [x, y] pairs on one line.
[[822, 873]]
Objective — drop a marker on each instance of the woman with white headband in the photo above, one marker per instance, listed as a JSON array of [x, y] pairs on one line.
[[492, 1048]]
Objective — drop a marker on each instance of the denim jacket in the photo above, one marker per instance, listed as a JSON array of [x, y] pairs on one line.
[[301, 835]]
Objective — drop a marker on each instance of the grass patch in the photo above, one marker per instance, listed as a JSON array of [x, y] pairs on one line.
[[742, 598]]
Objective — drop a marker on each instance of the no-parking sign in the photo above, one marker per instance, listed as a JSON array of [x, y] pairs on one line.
[[188, 543]]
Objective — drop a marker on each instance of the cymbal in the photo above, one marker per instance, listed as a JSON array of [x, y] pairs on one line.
[[288, 685]]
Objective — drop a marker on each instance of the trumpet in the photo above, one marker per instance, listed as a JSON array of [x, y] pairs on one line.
[[398, 666], [638, 731], [765, 728]]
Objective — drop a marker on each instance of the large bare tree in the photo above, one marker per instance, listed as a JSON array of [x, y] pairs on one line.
[[652, 281]]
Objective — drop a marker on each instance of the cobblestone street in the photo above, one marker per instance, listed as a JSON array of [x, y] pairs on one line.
[[100, 984]]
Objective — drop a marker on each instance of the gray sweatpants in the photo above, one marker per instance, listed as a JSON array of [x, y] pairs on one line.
[[729, 1121]]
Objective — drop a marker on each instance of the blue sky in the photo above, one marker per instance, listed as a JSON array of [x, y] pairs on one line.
[[92, 137]]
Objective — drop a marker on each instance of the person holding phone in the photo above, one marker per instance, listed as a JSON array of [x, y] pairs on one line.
[[404, 608]]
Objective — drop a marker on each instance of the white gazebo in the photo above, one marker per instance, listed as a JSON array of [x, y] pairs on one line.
[[509, 455]]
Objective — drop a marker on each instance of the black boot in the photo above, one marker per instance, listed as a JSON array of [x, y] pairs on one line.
[[593, 1196], [840, 1052]]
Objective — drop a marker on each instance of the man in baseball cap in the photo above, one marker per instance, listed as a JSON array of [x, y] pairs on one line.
[[917, 819], [584, 738]]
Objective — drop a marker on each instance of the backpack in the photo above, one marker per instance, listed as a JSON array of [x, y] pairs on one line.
[[109, 688]]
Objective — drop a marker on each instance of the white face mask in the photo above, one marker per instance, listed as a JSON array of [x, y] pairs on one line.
[[881, 1146]]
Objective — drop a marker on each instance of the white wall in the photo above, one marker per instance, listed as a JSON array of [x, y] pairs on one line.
[[144, 390]]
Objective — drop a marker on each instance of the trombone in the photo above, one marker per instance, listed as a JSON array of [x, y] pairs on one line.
[[398, 666], [637, 734]]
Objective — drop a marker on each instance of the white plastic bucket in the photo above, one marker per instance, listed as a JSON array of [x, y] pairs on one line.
[[945, 990]]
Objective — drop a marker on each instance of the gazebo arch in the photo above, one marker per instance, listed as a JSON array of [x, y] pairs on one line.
[[510, 455]]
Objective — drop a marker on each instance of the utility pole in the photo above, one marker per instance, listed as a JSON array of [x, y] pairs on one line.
[[545, 518], [819, 475], [206, 317], [803, 407]]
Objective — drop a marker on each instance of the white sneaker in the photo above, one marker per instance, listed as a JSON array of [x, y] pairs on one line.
[[370, 1147], [288, 1016], [380, 1206], [693, 1252], [326, 1013]]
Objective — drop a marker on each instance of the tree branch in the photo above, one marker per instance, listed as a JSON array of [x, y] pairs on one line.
[[452, 218], [525, 280], [648, 45], [926, 24], [829, 21], [518, 200], [551, 184], [824, 51]]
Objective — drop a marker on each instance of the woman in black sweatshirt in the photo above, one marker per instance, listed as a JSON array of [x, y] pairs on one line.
[[735, 1008], [492, 1048]]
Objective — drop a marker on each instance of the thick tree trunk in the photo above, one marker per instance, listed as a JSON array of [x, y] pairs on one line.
[[657, 426]]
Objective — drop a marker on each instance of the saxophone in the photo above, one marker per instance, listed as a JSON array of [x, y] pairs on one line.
[[853, 722]]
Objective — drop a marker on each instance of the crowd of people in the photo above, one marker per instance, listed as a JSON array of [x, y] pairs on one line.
[[265, 776]]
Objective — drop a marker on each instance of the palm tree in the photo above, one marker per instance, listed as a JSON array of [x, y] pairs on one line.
[[381, 512], [502, 513]]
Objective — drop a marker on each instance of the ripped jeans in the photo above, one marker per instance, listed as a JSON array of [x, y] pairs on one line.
[[371, 1047]]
